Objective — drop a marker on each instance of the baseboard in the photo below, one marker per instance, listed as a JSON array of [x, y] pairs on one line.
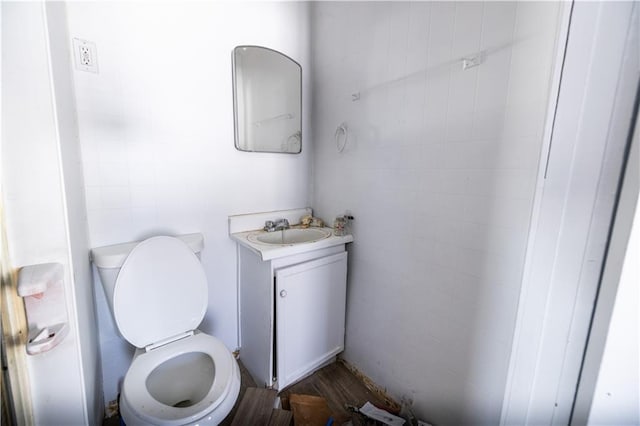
[[371, 385]]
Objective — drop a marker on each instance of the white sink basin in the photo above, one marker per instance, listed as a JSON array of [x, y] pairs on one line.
[[289, 236]]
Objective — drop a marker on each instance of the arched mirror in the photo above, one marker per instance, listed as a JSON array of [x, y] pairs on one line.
[[267, 101]]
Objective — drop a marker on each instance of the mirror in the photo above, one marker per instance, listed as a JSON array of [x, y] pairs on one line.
[[267, 100]]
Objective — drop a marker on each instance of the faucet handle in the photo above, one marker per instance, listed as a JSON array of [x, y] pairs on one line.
[[281, 224], [269, 226]]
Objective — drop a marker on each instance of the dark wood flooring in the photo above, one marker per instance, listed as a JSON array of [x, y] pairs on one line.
[[246, 381], [256, 408], [339, 386]]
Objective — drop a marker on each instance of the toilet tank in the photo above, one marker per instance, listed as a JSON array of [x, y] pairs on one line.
[[109, 259]]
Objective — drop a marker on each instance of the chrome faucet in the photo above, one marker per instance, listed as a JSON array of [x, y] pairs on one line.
[[278, 225]]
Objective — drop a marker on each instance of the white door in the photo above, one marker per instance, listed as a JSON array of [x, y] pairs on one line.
[[310, 315], [569, 235]]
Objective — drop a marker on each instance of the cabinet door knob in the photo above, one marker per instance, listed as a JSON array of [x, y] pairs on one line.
[[283, 293]]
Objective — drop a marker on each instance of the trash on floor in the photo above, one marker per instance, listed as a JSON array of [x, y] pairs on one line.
[[309, 410], [373, 412]]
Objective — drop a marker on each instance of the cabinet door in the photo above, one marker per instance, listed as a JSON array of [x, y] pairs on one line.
[[310, 315]]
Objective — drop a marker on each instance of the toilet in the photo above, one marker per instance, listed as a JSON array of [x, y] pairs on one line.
[[158, 294]]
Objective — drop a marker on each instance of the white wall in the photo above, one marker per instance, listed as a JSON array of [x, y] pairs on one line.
[[37, 225], [156, 131], [439, 172]]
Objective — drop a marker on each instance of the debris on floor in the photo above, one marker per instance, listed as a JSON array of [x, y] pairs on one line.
[[309, 410], [383, 416]]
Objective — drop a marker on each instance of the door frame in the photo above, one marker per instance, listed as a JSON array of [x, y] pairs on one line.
[[570, 223], [16, 391], [626, 213]]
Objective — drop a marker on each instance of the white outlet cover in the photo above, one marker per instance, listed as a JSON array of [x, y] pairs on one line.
[[85, 55]]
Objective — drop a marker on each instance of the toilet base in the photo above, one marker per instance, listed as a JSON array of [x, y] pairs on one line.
[[130, 418]]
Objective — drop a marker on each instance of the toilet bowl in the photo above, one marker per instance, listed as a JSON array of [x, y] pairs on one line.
[[180, 384], [158, 294]]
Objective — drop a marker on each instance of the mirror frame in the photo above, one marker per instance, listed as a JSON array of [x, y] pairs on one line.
[[235, 101]]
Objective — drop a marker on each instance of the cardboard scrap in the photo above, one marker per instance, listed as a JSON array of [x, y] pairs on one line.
[[309, 410]]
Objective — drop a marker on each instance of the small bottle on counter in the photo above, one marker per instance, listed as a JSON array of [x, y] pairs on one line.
[[339, 226]]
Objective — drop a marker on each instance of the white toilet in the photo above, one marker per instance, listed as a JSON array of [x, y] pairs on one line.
[[158, 295]]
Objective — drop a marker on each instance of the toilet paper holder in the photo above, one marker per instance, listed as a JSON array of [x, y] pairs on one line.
[[33, 282]]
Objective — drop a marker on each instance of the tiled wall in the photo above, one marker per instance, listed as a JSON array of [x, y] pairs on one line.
[[156, 131], [439, 171]]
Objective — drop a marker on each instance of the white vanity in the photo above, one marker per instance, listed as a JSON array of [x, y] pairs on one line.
[[292, 291]]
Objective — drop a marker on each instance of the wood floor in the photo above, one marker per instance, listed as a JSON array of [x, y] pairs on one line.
[[339, 386], [246, 381]]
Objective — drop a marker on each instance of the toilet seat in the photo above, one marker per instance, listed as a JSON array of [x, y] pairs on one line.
[[136, 394]]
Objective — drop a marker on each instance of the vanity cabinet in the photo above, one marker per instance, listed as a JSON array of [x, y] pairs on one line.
[[292, 313]]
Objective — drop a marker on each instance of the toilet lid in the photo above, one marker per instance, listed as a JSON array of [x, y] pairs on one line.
[[161, 291]]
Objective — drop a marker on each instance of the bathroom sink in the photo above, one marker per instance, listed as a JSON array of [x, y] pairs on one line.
[[289, 236]]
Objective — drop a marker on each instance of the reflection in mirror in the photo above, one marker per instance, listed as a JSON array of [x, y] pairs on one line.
[[267, 100]]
